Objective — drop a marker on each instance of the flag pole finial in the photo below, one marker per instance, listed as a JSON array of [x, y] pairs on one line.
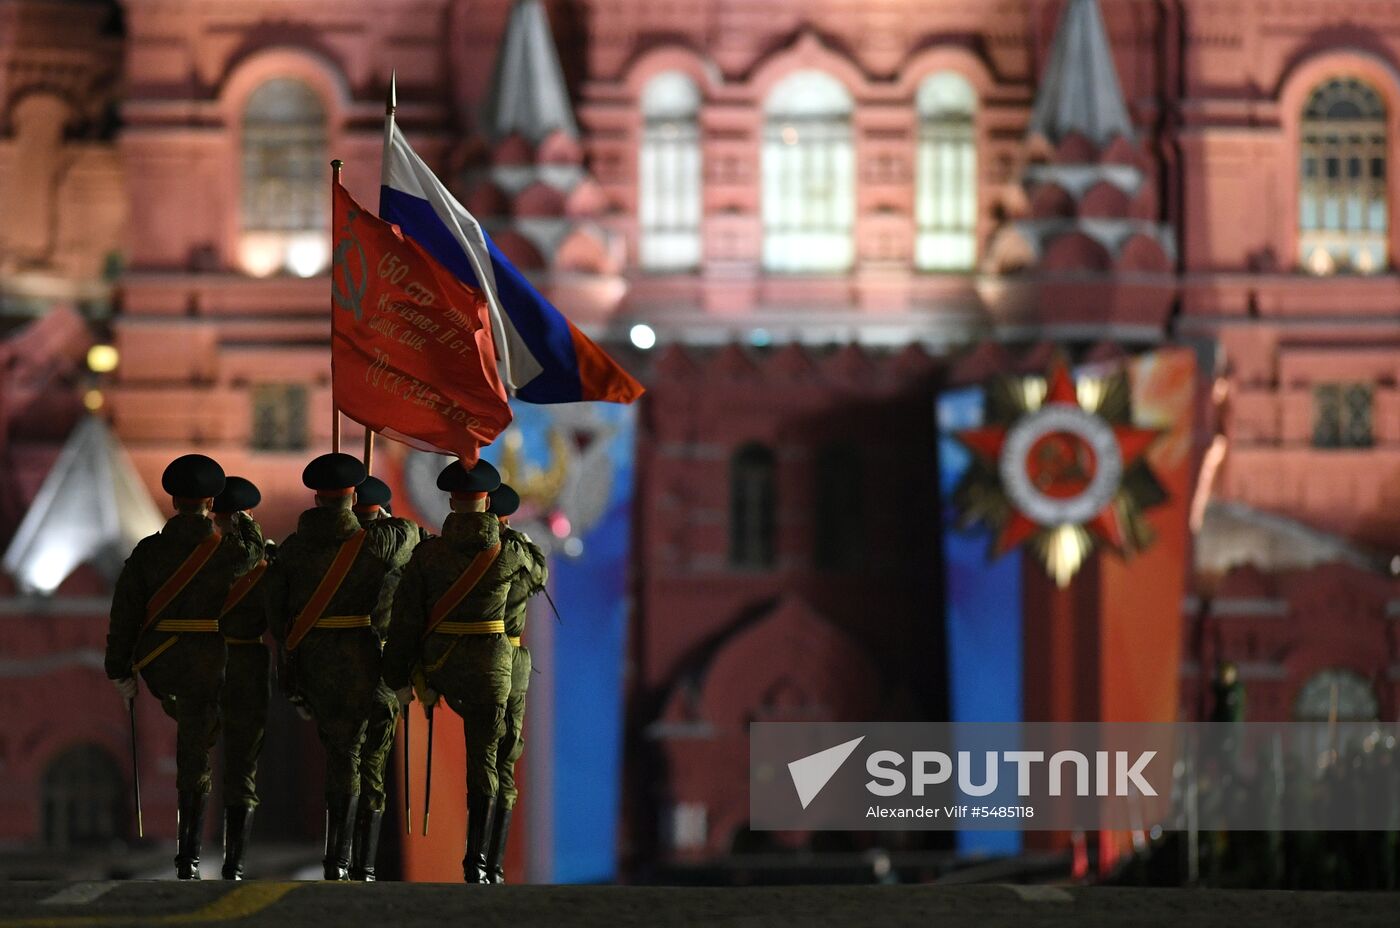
[[391, 101]]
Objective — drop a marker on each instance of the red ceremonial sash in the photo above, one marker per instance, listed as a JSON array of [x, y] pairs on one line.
[[243, 586], [181, 578], [464, 584], [326, 589]]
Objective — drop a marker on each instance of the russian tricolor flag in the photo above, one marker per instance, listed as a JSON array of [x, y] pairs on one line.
[[543, 357]]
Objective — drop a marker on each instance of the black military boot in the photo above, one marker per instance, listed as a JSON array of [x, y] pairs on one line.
[[366, 847], [480, 812], [496, 848], [189, 835], [340, 834], [238, 829]]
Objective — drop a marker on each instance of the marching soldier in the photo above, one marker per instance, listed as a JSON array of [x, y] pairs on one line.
[[526, 583], [165, 623], [449, 616], [372, 501], [321, 594], [242, 621]]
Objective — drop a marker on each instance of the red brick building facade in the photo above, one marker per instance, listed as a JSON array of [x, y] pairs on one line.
[[812, 204]]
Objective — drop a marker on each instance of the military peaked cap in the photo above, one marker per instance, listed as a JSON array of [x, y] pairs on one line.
[[333, 472], [456, 479], [373, 492], [193, 476], [239, 494], [504, 500]]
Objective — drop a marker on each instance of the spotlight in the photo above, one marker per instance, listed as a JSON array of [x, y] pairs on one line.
[[103, 359], [643, 336]]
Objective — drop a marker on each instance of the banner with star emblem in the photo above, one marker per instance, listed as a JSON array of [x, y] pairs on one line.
[[1065, 495]]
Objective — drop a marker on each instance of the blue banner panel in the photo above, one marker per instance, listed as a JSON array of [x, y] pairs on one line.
[[982, 607], [576, 463]]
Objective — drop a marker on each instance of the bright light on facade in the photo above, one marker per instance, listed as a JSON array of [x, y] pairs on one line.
[[94, 400], [643, 336], [103, 359], [307, 255]]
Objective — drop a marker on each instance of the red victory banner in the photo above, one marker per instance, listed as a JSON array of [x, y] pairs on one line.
[[412, 354]]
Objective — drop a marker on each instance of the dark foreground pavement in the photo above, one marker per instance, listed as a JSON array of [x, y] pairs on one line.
[[391, 905]]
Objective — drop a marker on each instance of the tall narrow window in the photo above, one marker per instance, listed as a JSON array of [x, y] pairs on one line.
[[839, 541], [279, 417], [1343, 217], [84, 798], [752, 507], [1342, 415], [669, 199], [946, 208], [809, 201], [285, 197]]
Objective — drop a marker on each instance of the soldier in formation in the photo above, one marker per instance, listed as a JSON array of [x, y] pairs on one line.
[[322, 594], [242, 622], [449, 624], [528, 581], [165, 626]]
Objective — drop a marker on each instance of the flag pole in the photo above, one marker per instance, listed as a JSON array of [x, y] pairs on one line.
[[336, 165], [390, 104]]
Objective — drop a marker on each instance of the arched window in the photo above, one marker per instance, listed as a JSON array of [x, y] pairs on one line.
[[669, 199], [1342, 214], [286, 195], [839, 541], [1341, 694], [84, 798], [946, 209], [809, 201], [752, 507]]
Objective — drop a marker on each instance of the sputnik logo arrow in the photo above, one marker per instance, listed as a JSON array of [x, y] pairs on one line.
[[810, 774]]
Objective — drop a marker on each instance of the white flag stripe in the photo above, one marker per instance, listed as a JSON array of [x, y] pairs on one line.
[[405, 172]]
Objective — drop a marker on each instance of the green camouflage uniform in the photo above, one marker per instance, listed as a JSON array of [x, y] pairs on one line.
[[527, 582], [187, 676], [337, 670], [384, 713], [475, 676], [247, 688]]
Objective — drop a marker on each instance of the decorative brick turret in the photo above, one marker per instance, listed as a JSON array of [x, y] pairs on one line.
[[1085, 216]]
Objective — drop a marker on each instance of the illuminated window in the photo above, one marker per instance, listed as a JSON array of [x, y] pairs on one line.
[[1342, 213], [946, 208], [84, 798], [1338, 694], [286, 195], [279, 417], [1342, 415], [752, 507], [669, 198], [808, 176]]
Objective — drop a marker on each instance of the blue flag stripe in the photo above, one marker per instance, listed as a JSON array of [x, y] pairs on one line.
[[543, 328]]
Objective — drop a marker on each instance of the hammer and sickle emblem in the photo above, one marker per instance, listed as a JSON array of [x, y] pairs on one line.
[[346, 291]]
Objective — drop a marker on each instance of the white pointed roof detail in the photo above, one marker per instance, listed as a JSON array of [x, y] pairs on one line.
[[92, 508], [528, 95], [1079, 90]]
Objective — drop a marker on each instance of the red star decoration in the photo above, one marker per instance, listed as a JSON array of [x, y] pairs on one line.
[[986, 442]]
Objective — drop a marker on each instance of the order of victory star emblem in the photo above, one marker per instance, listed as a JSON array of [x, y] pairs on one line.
[[1060, 467]]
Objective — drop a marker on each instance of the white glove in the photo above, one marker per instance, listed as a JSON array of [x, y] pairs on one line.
[[302, 711], [127, 687], [404, 694]]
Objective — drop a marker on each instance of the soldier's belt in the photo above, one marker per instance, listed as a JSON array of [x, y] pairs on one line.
[[497, 627], [515, 640], [228, 640], [342, 621], [187, 625]]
